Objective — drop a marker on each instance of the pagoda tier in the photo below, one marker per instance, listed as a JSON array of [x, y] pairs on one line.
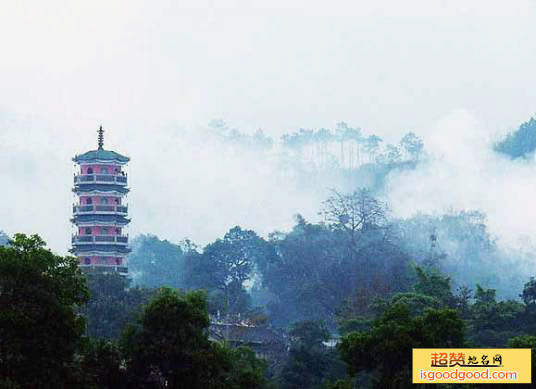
[[100, 214]]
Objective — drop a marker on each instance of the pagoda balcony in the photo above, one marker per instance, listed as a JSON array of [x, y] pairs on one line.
[[115, 179], [100, 209], [122, 270], [100, 239]]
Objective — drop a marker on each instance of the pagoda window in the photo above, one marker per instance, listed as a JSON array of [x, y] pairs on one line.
[[88, 231], [104, 230], [87, 260], [104, 170], [89, 200], [104, 200], [89, 170], [118, 261]]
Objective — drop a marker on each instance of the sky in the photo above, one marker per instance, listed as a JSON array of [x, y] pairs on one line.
[[155, 73]]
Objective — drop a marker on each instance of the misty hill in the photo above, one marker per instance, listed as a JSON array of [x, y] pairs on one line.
[[519, 143], [344, 157]]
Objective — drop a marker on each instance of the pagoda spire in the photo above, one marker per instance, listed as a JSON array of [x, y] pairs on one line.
[[101, 138]]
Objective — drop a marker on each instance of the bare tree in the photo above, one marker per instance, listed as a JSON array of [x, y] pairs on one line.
[[355, 213]]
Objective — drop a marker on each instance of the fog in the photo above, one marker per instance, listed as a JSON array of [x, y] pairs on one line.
[[154, 75], [463, 172]]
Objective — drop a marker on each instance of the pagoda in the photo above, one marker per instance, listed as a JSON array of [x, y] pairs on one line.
[[100, 214]]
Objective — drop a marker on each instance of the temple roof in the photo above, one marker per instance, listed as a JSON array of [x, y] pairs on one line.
[[101, 155], [245, 334]]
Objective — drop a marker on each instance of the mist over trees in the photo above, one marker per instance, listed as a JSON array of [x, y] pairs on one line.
[[318, 158], [520, 143], [44, 308], [352, 291]]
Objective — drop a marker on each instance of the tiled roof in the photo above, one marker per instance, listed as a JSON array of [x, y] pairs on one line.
[[101, 155], [245, 334]]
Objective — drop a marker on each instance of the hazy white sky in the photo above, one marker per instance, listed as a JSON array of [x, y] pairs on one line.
[[145, 70]]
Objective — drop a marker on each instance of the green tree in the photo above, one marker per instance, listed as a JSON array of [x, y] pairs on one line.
[[155, 263], [101, 361], [434, 284], [226, 264], [168, 347], [310, 362], [112, 304], [529, 298], [319, 267], [529, 292], [525, 341], [384, 352], [40, 330], [493, 322], [247, 371]]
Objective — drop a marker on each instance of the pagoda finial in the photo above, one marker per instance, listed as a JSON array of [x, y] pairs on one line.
[[101, 138]]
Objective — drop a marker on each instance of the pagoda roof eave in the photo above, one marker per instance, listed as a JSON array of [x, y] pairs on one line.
[[100, 155]]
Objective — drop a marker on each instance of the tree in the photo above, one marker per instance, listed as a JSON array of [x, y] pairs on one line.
[[525, 341], [371, 145], [310, 362], [412, 145], [320, 266], [40, 331], [112, 304], [168, 347], [247, 371], [491, 322], [155, 263], [305, 278], [385, 350], [392, 155], [354, 213], [226, 264], [434, 284], [101, 361], [520, 143], [529, 292]]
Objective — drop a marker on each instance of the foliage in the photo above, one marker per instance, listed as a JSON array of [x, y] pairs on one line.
[[459, 244], [169, 347], [412, 145], [40, 331], [155, 263], [520, 143], [112, 304], [355, 213], [101, 362], [435, 285], [491, 322], [320, 266], [339, 384], [310, 362], [225, 265], [385, 350]]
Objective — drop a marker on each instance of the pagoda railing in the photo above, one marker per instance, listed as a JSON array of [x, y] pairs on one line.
[[100, 239], [100, 208], [104, 268], [117, 179]]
